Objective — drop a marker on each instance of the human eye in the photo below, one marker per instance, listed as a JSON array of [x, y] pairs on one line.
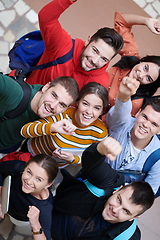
[[155, 124], [84, 103], [149, 79], [97, 108], [53, 95], [28, 172], [126, 211], [119, 199], [95, 50], [146, 67], [39, 180], [62, 105], [104, 59], [144, 116]]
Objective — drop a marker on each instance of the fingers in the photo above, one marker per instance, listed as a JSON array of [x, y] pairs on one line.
[[157, 26], [154, 25], [67, 156], [64, 126], [33, 212], [131, 83], [109, 147]]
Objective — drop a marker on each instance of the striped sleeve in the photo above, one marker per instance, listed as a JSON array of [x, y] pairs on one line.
[[40, 127]]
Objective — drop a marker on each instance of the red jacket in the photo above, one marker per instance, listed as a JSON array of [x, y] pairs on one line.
[[58, 42]]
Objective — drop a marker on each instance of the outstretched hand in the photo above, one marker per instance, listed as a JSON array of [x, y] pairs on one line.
[[153, 25], [109, 147]]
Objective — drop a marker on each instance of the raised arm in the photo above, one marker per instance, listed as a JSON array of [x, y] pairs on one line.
[[96, 169], [119, 114], [47, 126], [33, 215], [151, 23]]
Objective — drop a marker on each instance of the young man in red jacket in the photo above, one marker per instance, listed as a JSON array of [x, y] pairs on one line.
[[89, 60]]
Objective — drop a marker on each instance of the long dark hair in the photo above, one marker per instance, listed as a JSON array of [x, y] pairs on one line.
[[128, 62]]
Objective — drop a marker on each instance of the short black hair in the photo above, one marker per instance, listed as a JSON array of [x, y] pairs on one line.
[[111, 37]]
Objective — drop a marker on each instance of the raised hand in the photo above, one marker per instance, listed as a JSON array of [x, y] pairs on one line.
[[127, 88], [109, 147], [153, 25]]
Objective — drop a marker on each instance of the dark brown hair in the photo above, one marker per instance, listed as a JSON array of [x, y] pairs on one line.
[[94, 88], [48, 163], [69, 84]]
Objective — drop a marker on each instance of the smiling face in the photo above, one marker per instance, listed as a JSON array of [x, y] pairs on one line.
[[119, 207], [145, 72], [90, 107], [34, 179], [52, 101], [147, 124], [96, 54]]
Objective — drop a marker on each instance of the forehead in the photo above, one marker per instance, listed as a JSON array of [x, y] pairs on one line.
[[93, 99], [151, 114], [58, 87], [62, 94], [37, 169], [125, 195], [104, 48]]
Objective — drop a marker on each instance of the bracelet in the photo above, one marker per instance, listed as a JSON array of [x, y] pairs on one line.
[[39, 232]]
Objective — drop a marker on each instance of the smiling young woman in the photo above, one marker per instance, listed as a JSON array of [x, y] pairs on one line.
[[30, 196]]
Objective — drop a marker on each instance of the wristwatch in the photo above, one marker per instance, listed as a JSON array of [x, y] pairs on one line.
[[39, 232]]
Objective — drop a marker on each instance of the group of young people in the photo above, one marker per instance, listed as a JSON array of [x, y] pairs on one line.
[[94, 203]]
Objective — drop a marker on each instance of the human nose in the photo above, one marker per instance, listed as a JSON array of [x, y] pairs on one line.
[[54, 104], [30, 180], [146, 123], [141, 75], [89, 110], [96, 59], [116, 209]]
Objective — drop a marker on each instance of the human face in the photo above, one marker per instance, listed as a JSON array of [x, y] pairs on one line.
[[53, 101], [96, 55], [119, 207], [145, 72], [147, 124], [34, 179], [90, 107]]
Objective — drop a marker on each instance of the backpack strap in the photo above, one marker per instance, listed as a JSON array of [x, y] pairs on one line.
[[98, 192], [22, 106], [60, 60], [127, 234], [151, 160]]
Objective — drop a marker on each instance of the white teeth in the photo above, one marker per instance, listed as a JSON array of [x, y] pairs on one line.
[[143, 130], [87, 117], [47, 108], [28, 185]]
